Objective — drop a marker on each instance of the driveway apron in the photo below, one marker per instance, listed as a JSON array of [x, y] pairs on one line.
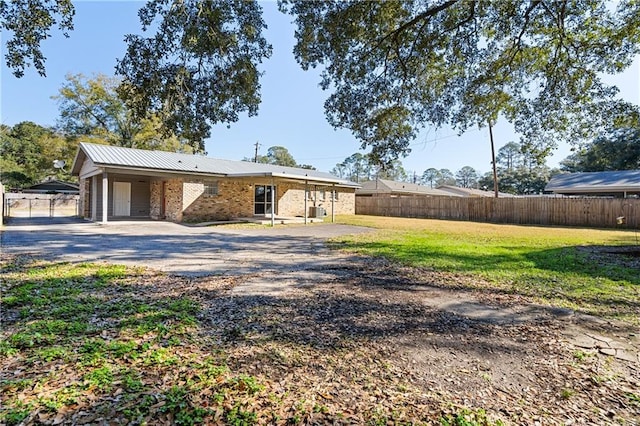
[[178, 249]]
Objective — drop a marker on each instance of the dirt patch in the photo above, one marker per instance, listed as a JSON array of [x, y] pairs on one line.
[[499, 353], [626, 256]]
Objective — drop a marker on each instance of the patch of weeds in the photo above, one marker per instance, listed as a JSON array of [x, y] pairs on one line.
[[49, 354], [468, 417], [18, 384], [581, 355], [319, 408], [28, 340], [59, 327], [121, 349], [240, 417], [247, 384], [174, 341], [567, 393], [160, 356], [137, 412], [68, 395], [184, 306], [52, 404], [131, 381], [100, 378], [6, 349], [15, 414], [177, 402], [93, 351], [634, 399]]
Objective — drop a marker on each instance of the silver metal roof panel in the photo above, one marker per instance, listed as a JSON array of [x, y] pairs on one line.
[[115, 156]]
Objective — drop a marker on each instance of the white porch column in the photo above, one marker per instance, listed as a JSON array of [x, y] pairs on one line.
[[105, 196], [273, 203], [94, 198], [306, 191]]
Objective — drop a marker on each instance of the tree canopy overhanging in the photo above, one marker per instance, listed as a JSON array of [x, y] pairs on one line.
[[391, 67], [394, 67]]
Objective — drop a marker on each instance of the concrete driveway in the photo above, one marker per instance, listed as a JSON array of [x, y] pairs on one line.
[[177, 249]]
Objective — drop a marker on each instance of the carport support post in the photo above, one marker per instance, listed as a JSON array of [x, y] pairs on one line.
[[333, 203], [273, 203], [105, 196], [306, 191], [94, 198]]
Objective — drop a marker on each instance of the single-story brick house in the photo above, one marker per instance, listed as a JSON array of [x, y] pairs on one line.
[[392, 188], [620, 184], [192, 188]]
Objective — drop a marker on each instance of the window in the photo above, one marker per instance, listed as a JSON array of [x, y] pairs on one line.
[[211, 188], [322, 195], [335, 196]]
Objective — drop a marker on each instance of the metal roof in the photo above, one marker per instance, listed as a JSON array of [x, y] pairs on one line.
[[163, 161], [384, 186], [471, 192], [595, 182]]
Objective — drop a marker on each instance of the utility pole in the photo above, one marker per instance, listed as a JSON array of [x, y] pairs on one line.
[[493, 161], [255, 157]]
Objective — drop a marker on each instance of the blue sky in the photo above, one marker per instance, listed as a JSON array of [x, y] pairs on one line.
[[291, 113]]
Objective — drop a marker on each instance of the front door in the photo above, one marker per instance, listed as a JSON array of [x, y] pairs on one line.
[[122, 198], [263, 202]]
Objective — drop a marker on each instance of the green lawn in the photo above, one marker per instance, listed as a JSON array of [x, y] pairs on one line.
[[543, 263]]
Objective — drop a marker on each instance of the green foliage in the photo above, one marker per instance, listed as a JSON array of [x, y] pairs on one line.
[[619, 149], [91, 108], [27, 152], [238, 416], [395, 67], [280, 155], [363, 167], [521, 169], [200, 68], [468, 417], [28, 24], [467, 177], [542, 263]]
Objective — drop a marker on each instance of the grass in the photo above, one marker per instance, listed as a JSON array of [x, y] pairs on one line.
[[96, 337], [543, 263]]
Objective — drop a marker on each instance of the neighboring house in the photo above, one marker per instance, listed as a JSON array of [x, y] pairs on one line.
[[624, 183], [118, 182], [53, 187], [389, 187], [470, 192]]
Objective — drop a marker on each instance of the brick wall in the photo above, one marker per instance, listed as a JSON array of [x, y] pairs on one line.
[[173, 200], [291, 199], [234, 199], [155, 199], [84, 208]]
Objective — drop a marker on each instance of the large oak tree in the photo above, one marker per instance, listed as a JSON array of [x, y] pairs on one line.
[[394, 67], [198, 67]]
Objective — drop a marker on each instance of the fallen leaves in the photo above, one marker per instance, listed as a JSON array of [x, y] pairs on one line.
[[365, 347]]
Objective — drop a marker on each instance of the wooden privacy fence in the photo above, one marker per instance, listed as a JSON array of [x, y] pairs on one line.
[[590, 212]]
